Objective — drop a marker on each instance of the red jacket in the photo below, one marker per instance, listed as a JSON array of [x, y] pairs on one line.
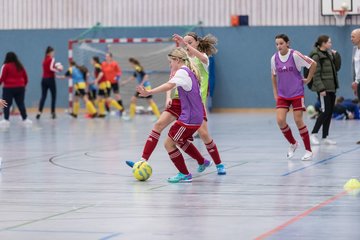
[[11, 77], [48, 67]]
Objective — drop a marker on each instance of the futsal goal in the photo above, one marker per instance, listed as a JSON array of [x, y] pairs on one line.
[[151, 53]]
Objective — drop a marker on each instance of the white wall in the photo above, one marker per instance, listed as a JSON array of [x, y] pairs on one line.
[[42, 14]]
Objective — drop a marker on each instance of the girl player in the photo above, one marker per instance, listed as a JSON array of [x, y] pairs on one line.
[[14, 79], [104, 93], [142, 80], [288, 88], [112, 73], [186, 80], [48, 81], [199, 50], [80, 90], [196, 47]]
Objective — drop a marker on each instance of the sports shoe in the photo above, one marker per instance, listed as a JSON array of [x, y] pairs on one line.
[[73, 115], [221, 169], [130, 163], [154, 118], [328, 141], [89, 116], [314, 140], [38, 116], [307, 156], [291, 150], [206, 164], [196, 135], [53, 115], [126, 118], [4, 123], [180, 178], [27, 122]]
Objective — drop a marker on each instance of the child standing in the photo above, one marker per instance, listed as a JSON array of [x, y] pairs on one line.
[[288, 88], [48, 81], [14, 80]]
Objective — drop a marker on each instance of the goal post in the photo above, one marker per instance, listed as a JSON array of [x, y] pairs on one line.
[[151, 53]]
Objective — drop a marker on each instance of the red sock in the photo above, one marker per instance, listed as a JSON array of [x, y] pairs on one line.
[[288, 134], [304, 133], [192, 151], [178, 160], [150, 144], [213, 151]]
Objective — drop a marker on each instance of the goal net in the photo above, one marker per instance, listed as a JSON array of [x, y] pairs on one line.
[[150, 52]]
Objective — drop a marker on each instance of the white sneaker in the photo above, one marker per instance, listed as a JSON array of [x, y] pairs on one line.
[[291, 150], [126, 118], [27, 122], [328, 141], [307, 156], [4, 123], [314, 140]]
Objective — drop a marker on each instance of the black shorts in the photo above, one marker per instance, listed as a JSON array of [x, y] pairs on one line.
[[104, 92], [80, 92], [115, 88], [138, 95], [92, 94]]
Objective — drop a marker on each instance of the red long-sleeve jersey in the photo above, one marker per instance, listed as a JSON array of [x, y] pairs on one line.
[[11, 77], [49, 67]]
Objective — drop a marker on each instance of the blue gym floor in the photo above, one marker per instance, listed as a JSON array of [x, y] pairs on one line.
[[66, 179]]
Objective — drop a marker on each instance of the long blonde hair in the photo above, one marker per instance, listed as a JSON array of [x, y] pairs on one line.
[[181, 54]]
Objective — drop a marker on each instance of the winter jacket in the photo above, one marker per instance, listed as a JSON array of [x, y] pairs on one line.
[[325, 77]]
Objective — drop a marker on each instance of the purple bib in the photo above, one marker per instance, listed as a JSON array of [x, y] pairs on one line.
[[192, 110], [289, 80]]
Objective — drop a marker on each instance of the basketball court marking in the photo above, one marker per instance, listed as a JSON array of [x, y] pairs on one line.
[[53, 159], [107, 236], [320, 162], [34, 160], [48, 217], [301, 215], [205, 174], [110, 236]]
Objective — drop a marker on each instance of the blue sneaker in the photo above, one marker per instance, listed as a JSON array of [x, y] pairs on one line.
[[180, 178], [130, 163], [206, 164], [221, 169]]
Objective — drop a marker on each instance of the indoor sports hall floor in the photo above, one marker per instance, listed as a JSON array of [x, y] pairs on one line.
[[66, 179]]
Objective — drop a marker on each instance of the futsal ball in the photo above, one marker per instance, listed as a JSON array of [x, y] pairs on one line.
[[59, 66], [352, 184], [310, 110], [142, 170]]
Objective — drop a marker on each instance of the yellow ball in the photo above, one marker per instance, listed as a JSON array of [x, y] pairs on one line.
[[352, 184], [142, 170]]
